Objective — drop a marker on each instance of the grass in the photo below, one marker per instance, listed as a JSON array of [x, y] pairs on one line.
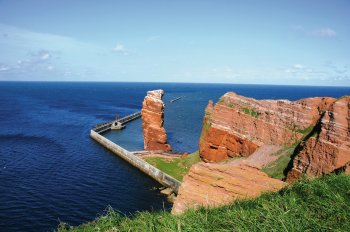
[[276, 169], [342, 97], [177, 167], [310, 205], [250, 112], [306, 131], [221, 101], [225, 103]]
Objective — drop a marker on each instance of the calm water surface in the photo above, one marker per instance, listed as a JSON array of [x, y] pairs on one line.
[[50, 169]]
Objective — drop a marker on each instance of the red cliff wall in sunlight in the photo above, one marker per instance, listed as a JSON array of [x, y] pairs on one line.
[[236, 126], [328, 148], [255, 130]]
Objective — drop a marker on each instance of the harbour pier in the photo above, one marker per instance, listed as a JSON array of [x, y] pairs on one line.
[[97, 134]]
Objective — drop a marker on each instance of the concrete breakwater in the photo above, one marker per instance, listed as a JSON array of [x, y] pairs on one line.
[[150, 170]]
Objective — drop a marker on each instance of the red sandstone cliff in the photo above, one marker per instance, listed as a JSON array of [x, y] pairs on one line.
[[236, 126], [154, 134], [328, 148], [252, 129]]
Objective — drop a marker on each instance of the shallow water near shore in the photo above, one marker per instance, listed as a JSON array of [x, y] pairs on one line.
[[50, 169]]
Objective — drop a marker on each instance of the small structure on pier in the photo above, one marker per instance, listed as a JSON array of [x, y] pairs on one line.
[[116, 125]]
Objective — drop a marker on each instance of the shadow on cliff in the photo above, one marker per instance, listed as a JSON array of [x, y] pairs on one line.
[[299, 147]]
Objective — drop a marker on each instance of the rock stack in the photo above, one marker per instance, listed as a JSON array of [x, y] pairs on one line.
[[154, 134]]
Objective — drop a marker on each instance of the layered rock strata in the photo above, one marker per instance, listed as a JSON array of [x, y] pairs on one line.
[[328, 147], [217, 184], [253, 130], [154, 134], [236, 126]]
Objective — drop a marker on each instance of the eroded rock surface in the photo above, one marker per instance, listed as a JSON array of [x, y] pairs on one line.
[[236, 126], [154, 134], [254, 130], [328, 148], [216, 184]]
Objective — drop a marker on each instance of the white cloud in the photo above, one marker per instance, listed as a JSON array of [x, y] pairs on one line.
[[28, 55], [45, 56], [316, 32], [4, 67], [299, 66], [39, 60], [323, 32], [121, 49]]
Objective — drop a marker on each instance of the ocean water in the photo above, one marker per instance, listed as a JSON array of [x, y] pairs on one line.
[[50, 169]]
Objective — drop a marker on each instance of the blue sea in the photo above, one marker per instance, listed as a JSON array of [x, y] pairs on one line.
[[51, 171]]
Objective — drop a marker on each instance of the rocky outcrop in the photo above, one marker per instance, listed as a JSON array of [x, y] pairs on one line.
[[216, 184], [254, 130], [236, 126], [154, 134], [328, 147]]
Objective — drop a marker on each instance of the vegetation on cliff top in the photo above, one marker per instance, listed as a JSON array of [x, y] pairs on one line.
[[277, 168], [177, 167], [250, 112], [309, 205]]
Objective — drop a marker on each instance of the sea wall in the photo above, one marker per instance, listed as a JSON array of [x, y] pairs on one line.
[[137, 162]]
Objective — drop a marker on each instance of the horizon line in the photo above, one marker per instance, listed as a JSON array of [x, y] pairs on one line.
[[171, 82]]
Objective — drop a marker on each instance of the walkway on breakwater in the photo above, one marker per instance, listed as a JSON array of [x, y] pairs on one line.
[[116, 124], [150, 170]]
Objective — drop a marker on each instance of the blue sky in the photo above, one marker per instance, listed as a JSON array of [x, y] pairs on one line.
[[294, 42]]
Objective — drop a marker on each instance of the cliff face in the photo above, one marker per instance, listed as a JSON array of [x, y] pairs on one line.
[[254, 130], [328, 147], [236, 126], [154, 134]]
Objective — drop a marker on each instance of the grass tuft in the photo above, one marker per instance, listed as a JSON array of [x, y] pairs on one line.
[[305, 131], [250, 112]]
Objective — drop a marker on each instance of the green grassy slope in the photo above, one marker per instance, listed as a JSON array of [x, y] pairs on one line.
[[309, 205], [176, 168]]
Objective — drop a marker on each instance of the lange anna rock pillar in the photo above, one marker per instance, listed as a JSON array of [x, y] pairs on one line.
[[154, 134]]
